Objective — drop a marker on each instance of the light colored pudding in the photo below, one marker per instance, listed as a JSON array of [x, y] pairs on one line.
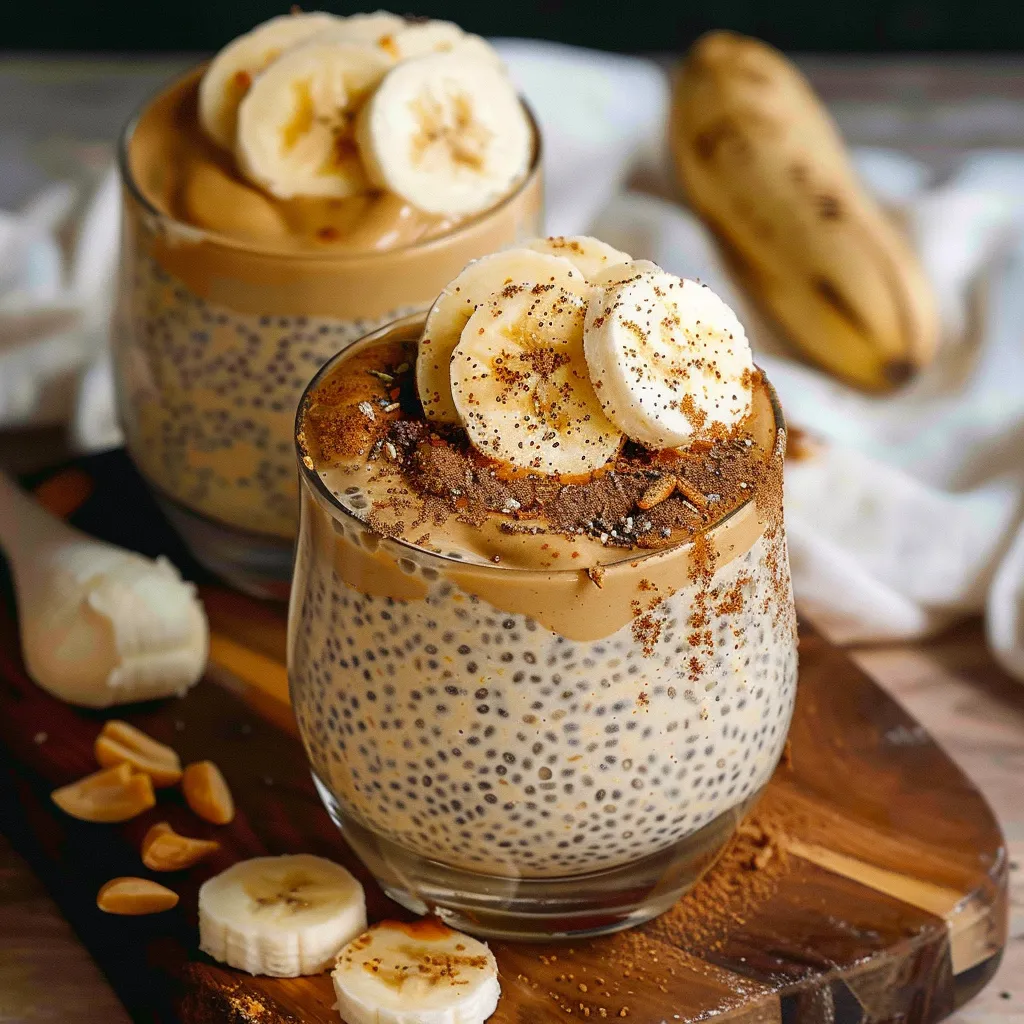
[[526, 675], [232, 295]]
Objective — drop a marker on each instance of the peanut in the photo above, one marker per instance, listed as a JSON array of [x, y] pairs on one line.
[[659, 491], [692, 495], [109, 795], [207, 793], [163, 849], [119, 742], [135, 896]]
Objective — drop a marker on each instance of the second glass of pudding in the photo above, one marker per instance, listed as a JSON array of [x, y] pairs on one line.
[[231, 299], [534, 709]]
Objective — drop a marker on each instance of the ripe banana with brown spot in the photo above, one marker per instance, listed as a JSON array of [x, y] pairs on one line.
[[762, 163]]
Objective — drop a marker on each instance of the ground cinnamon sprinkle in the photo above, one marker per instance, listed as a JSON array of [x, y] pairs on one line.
[[745, 877], [369, 412]]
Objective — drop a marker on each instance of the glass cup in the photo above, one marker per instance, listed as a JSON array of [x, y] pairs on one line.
[[519, 751], [215, 338]]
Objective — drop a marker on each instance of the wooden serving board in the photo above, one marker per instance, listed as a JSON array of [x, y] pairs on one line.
[[868, 885]]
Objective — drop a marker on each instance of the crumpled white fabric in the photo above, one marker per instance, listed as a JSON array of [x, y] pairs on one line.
[[906, 514]]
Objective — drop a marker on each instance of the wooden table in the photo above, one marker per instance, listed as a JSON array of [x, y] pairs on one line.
[[950, 684]]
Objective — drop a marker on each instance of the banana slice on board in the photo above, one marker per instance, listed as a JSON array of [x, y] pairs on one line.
[[280, 916], [445, 133], [295, 124], [420, 973], [668, 357], [232, 71], [481, 279], [589, 255], [520, 381]]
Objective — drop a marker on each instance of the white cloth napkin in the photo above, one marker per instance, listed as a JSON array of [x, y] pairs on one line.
[[906, 514]]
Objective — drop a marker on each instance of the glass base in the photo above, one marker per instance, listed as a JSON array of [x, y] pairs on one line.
[[257, 564], [535, 909]]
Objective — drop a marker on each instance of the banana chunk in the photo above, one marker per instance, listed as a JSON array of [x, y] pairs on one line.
[[520, 382], [420, 973], [280, 916], [232, 71], [446, 133], [589, 255], [668, 357], [295, 125], [481, 280]]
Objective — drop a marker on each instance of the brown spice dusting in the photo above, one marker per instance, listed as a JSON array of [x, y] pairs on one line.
[[369, 412], [743, 879]]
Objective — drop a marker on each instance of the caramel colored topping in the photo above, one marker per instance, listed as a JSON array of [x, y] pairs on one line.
[[135, 896], [121, 743], [163, 849], [207, 793], [113, 794], [426, 928]]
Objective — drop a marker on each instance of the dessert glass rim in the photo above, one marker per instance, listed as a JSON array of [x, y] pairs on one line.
[[128, 180], [338, 511]]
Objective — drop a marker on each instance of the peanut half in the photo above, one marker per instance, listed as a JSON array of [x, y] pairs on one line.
[[135, 896], [109, 795], [121, 743], [207, 793], [163, 849]]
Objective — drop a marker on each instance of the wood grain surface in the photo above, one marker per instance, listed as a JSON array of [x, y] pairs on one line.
[[868, 884]]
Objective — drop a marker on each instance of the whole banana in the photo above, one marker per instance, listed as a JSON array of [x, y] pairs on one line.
[[764, 166]]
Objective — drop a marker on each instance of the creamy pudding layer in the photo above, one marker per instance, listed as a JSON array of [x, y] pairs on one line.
[[479, 736], [232, 298], [507, 689]]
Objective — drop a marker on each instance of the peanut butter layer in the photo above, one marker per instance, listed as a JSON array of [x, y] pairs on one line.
[[365, 434], [186, 176]]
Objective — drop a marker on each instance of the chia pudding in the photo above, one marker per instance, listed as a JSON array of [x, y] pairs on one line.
[[233, 296], [528, 676]]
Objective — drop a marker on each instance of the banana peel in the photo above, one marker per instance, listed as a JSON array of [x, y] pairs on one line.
[[763, 165]]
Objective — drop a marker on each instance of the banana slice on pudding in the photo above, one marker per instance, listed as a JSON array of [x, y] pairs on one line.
[[280, 916], [446, 133], [231, 73], [371, 29], [589, 255], [481, 280], [668, 357], [520, 382], [295, 125], [419, 973]]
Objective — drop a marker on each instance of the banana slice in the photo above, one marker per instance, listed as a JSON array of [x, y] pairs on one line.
[[280, 916], [232, 71], [668, 357], [589, 255], [622, 273], [420, 973], [376, 29], [520, 382], [418, 38], [447, 134], [472, 47], [482, 279], [295, 123]]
